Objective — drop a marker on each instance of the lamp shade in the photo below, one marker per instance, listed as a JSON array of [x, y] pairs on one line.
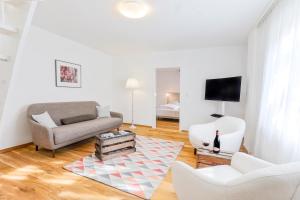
[[132, 83]]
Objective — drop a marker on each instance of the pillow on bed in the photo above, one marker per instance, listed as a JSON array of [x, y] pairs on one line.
[[170, 106], [175, 103]]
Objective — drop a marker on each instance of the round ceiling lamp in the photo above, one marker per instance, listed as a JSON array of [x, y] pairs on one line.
[[133, 9]]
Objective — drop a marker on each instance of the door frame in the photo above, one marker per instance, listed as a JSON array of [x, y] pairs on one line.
[[155, 93]]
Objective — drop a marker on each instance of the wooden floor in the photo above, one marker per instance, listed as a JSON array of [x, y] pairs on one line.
[[27, 174], [167, 124]]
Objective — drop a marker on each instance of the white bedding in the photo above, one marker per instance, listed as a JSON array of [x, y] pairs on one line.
[[169, 106], [170, 110]]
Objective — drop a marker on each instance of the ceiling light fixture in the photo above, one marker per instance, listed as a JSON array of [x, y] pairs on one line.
[[133, 9]]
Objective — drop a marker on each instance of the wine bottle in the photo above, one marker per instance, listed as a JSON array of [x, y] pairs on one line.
[[217, 144]]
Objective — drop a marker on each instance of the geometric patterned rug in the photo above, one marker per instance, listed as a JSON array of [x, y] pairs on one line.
[[138, 173]]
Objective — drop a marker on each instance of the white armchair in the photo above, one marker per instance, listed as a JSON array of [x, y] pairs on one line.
[[231, 130], [247, 178]]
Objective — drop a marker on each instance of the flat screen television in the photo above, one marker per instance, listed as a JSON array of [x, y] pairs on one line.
[[223, 89]]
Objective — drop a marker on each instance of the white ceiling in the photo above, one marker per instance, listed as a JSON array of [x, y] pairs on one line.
[[171, 25]]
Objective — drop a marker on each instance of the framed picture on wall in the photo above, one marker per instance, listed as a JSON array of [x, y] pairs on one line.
[[67, 74]]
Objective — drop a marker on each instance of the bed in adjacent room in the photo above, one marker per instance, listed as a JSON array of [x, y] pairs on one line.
[[171, 109]]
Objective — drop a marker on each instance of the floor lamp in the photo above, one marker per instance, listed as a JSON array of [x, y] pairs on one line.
[[132, 84]]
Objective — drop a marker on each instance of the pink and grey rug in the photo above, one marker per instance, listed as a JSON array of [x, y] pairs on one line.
[[139, 173]]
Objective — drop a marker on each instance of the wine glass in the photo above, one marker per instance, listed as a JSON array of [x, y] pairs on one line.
[[205, 144]]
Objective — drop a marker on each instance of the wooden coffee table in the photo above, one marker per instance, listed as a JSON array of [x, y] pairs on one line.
[[206, 157], [119, 144]]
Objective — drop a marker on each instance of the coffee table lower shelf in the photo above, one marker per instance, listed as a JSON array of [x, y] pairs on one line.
[[114, 154], [119, 143], [208, 158]]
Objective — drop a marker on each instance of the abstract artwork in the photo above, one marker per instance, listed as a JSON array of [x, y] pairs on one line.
[[67, 74]]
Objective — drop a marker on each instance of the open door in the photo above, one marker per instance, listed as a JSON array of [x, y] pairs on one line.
[[168, 98]]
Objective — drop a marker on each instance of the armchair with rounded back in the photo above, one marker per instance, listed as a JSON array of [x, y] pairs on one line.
[[231, 131], [247, 178]]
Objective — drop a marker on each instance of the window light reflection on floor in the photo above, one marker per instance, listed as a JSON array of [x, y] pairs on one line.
[[13, 177], [60, 181], [73, 195]]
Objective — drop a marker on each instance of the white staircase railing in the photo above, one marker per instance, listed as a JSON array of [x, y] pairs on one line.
[[14, 17]]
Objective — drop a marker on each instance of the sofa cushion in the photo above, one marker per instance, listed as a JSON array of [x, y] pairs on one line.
[[73, 131], [61, 110], [45, 120], [76, 119], [103, 111]]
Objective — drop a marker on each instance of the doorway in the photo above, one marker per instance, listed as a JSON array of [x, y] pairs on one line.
[[168, 98]]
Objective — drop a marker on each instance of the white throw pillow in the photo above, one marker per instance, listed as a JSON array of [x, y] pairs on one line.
[[103, 111], [45, 120]]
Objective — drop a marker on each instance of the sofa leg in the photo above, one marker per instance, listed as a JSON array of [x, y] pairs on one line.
[[195, 151], [36, 148], [53, 153]]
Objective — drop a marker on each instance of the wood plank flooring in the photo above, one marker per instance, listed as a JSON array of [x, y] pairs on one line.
[[27, 174], [167, 124]]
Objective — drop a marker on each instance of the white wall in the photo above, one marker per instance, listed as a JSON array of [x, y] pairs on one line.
[[33, 81], [167, 80], [196, 66]]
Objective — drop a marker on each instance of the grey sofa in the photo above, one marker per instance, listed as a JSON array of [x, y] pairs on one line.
[[63, 135]]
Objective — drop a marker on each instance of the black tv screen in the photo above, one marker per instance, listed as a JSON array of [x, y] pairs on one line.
[[223, 89]]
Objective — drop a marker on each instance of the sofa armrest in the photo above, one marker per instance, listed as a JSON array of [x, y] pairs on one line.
[[190, 185], [41, 135], [247, 163], [117, 115]]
